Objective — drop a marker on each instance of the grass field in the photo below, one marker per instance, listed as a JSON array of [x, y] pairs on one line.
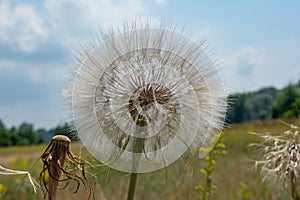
[[234, 175]]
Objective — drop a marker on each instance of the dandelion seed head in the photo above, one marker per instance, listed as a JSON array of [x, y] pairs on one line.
[[144, 96]]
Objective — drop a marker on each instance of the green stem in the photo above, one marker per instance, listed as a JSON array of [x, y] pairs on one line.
[[138, 148], [132, 184]]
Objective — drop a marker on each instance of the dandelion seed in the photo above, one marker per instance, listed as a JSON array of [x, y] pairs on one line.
[[143, 97]]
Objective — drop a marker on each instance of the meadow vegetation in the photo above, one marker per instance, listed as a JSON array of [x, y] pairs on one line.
[[234, 174]]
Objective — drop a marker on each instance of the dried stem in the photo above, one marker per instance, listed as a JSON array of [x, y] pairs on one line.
[[56, 163], [4, 171], [294, 193]]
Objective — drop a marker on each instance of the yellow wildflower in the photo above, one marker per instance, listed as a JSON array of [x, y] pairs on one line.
[[1, 188]]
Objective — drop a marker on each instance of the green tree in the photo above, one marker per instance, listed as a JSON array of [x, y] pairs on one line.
[[8, 137], [66, 130], [236, 108], [44, 135], [294, 110], [2, 126], [4, 135], [258, 106], [15, 139], [27, 134], [251, 106], [286, 102]]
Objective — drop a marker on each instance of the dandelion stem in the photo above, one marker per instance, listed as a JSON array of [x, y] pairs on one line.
[[132, 184], [54, 177], [294, 193], [138, 147]]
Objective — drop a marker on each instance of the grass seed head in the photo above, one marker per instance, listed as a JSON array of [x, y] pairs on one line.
[[281, 157]]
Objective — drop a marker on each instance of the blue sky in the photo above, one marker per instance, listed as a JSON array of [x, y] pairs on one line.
[[257, 43]]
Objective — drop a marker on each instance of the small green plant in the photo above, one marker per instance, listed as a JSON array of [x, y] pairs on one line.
[[244, 191], [207, 171]]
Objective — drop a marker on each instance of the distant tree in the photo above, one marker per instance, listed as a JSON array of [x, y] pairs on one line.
[[66, 130], [4, 136], [286, 102], [15, 139], [44, 135], [236, 110], [251, 106], [2, 126], [258, 105], [27, 134], [294, 110], [7, 137]]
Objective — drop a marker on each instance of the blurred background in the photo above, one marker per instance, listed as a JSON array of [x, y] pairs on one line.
[[257, 44]]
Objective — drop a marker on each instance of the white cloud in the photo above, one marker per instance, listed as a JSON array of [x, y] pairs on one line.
[[204, 32], [7, 65], [77, 21], [21, 27], [251, 68], [26, 26], [247, 55], [34, 73], [244, 69], [49, 74], [161, 2]]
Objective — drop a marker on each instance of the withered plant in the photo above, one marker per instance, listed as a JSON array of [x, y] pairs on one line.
[[60, 164], [281, 158], [7, 172]]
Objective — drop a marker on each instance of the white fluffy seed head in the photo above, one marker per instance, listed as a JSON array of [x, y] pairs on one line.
[[144, 96]]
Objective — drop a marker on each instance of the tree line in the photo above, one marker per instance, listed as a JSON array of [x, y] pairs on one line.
[[266, 103], [25, 134], [263, 104]]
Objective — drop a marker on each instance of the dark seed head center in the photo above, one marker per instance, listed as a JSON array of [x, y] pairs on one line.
[[143, 102]]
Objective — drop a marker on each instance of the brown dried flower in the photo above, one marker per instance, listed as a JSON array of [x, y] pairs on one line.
[[60, 164]]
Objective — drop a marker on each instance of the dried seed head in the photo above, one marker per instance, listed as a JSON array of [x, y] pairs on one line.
[[281, 158], [61, 138], [144, 97], [54, 158]]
